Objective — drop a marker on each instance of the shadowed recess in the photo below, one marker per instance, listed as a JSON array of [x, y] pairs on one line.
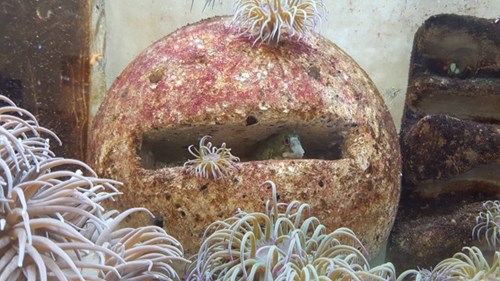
[[485, 109], [169, 147], [484, 178], [458, 48]]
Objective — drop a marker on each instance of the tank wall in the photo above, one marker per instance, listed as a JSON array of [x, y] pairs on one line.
[[377, 35]]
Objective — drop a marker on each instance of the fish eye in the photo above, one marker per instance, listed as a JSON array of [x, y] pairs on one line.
[[287, 140]]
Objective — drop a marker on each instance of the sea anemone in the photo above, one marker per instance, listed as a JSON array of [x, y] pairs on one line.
[[144, 253], [41, 207], [210, 161], [265, 20], [284, 243], [488, 222], [467, 265], [41, 221], [50, 215], [470, 265]]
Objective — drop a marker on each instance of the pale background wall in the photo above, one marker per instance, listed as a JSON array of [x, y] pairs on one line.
[[377, 34]]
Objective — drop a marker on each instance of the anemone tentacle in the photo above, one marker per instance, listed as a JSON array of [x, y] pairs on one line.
[[266, 20], [284, 243], [210, 161]]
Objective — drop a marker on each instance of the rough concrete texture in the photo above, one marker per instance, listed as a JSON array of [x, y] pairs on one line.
[[380, 43], [446, 154], [450, 129], [203, 79], [450, 138], [422, 237]]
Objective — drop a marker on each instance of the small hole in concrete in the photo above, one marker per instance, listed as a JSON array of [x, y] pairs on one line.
[[314, 72], [124, 93], [158, 221], [203, 187], [304, 196], [182, 213], [197, 218], [251, 120], [321, 183], [156, 75], [167, 196]]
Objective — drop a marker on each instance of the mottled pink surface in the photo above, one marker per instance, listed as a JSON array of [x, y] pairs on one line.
[[204, 75]]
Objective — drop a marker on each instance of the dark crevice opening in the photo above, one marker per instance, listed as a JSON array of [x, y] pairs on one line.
[[484, 109], [457, 54], [169, 147], [484, 179]]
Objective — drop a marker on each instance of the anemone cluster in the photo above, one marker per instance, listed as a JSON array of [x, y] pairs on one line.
[[210, 161], [284, 243], [266, 20], [144, 253], [488, 224], [470, 264], [52, 225]]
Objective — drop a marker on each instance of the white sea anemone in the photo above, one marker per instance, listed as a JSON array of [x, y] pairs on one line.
[[144, 253], [284, 243], [51, 220], [210, 161], [265, 20], [488, 224], [470, 264], [43, 205]]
